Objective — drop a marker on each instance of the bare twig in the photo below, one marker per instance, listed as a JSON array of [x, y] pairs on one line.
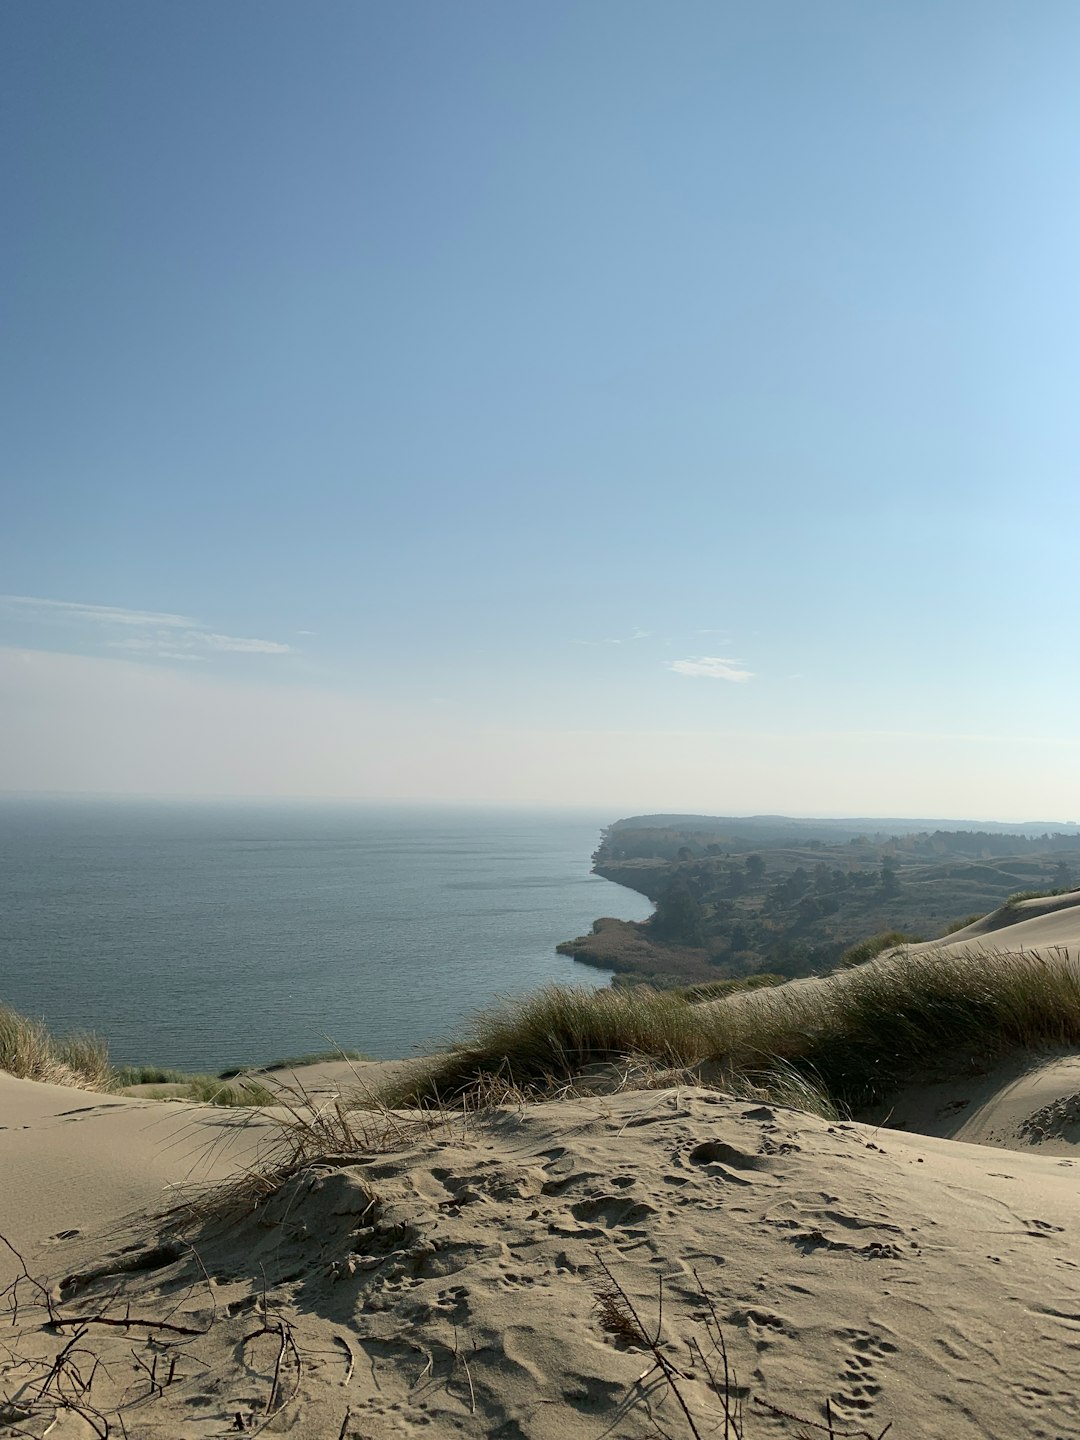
[[125, 1322], [661, 1361], [343, 1342], [288, 1348]]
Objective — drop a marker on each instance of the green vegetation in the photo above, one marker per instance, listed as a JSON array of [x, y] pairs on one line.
[[679, 917], [961, 923], [736, 897], [852, 1037], [125, 1075], [294, 1062], [211, 1090], [1021, 895], [872, 947], [237, 1088]]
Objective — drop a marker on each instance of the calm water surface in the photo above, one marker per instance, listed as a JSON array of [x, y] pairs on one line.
[[199, 936]]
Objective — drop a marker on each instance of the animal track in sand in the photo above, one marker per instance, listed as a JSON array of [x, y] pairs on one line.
[[1045, 1401], [1041, 1229], [454, 1298], [860, 1222], [814, 1239], [754, 1316], [862, 1386], [953, 1107], [593, 1395]]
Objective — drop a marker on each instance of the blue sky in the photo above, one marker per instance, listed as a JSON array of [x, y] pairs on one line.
[[658, 406]]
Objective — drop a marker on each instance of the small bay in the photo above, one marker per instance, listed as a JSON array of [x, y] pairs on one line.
[[200, 935]]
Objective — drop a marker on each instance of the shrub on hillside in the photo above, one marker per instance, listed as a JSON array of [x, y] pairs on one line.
[[870, 948]]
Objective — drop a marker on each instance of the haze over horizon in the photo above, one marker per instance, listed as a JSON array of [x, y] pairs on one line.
[[611, 405]]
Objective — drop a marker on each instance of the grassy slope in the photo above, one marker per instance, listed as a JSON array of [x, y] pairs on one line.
[[853, 1036]]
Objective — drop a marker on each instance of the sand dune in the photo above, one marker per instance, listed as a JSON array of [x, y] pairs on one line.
[[1044, 923], [921, 1269], [925, 1281]]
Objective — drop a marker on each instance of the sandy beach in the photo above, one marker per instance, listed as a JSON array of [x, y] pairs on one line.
[[564, 1269]]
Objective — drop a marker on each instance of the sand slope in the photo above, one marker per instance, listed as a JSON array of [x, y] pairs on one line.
[[928, 1282], [1040, 924], [76, 1160]]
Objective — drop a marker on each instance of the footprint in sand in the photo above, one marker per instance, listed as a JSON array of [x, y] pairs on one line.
[[615, 1211], [717, 1152]]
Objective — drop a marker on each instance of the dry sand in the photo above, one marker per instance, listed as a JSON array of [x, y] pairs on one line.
[[449, 1286]]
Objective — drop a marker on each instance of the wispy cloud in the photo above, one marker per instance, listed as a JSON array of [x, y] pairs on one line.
[[239, 645], [35, 608], [618, 640], [711, 667], [164, 636]]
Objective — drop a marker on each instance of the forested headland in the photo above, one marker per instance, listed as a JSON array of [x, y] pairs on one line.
[[737, 896]]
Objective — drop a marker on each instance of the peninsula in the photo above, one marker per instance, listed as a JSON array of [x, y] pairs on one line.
[[772, 895]]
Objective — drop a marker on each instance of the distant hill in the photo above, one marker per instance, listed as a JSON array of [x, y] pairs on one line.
[[775, 825]]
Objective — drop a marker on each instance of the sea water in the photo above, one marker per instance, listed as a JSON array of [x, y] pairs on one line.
[[203, 935]]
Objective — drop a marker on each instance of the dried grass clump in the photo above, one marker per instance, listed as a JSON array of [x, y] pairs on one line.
[[308, 1134], [31, 1052]]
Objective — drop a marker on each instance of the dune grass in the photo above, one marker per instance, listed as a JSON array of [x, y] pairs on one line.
[[852, 1037], [961, 923], [212, 1090], [1019, 896], [295, 1062], [124, 1075], [239, 1088], [30, 1051], [721, 989], [875, 945]]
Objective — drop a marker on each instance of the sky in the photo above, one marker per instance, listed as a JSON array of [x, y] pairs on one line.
[[652, 406]]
